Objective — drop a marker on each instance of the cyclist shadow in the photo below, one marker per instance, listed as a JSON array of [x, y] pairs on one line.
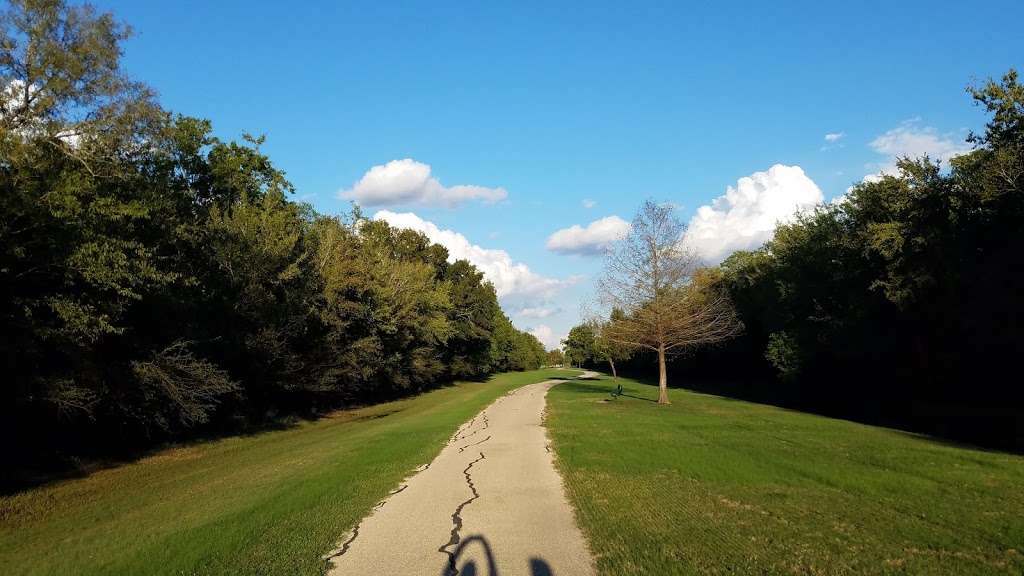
[[538, 566]]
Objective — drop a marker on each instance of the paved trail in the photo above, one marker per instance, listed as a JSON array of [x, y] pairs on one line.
[[491, 503]]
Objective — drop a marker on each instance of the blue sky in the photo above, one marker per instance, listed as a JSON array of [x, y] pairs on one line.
[[535, 109]]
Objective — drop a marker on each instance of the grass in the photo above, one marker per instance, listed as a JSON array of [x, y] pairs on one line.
[[710, 485], [273, 503]]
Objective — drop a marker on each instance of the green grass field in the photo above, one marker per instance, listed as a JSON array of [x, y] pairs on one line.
[[711, 485], [266, 504]]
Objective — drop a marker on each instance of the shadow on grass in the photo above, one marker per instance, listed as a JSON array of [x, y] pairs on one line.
[[52, 468], [624, 395], [585, 386], [18, 474], [374, 416], [43, 469], [762, 393]]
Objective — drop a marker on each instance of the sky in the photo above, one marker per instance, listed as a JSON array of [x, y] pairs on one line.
[[523, 136]]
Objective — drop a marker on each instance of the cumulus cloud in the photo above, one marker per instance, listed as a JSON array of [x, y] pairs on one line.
[[746, 215], [592, 240], [509, 278], [410, 182], [913, 140], [547, 336], [588, 203], [538, 312]]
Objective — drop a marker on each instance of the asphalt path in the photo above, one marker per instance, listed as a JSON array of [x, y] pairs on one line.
[[491, 503]]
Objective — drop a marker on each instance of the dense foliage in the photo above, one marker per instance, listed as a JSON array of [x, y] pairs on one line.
[[903, 300], [899, 303], [155, 281]]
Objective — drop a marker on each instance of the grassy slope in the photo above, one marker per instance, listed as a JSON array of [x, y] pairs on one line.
[[266, 504], [713, 485]]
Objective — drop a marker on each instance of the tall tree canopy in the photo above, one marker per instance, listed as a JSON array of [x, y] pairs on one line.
[[905, 296], [158, 282]]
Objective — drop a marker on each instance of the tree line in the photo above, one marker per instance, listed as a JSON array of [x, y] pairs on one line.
[[899, 304], [156, 282]]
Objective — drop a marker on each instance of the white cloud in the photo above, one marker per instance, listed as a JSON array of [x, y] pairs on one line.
[[509, 278], [410, 182], [538, 312], [594, 239], [547, 336], [832, 140], [588, 203], [913, 140], [746, 215]]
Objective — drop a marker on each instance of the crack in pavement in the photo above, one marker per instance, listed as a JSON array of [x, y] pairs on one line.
[[486, 424], [460, 434], [457, 521], [462, 429], [474, 444], [355, 531]]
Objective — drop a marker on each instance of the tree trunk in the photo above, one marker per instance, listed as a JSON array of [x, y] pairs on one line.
[[615, 375], [662, 377]]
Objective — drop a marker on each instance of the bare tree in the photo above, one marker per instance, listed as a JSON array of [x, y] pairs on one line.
[[667, 304]]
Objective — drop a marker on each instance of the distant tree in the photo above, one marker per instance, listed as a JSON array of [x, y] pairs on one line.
[[667, 307], [589, 343], [555, 357], [513, 349], [579, 345], [606, 348], [474, 304], [533, 351], [503, 343]]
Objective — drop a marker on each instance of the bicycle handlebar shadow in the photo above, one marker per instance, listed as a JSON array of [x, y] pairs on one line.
[[538, 566]]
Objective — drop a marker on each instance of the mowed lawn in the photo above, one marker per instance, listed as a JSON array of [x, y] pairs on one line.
[[273, 503], [710, 485]]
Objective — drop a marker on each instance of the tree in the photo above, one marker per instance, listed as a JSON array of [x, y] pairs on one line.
[[604, 346], [75, 223], [903, 297], [157, 282], [579, 344], [474, 303], [61, 86], [667, 306], [589, 343], [513, 349]]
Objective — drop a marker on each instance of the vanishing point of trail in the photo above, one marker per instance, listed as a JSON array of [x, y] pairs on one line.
[[490, 503]]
